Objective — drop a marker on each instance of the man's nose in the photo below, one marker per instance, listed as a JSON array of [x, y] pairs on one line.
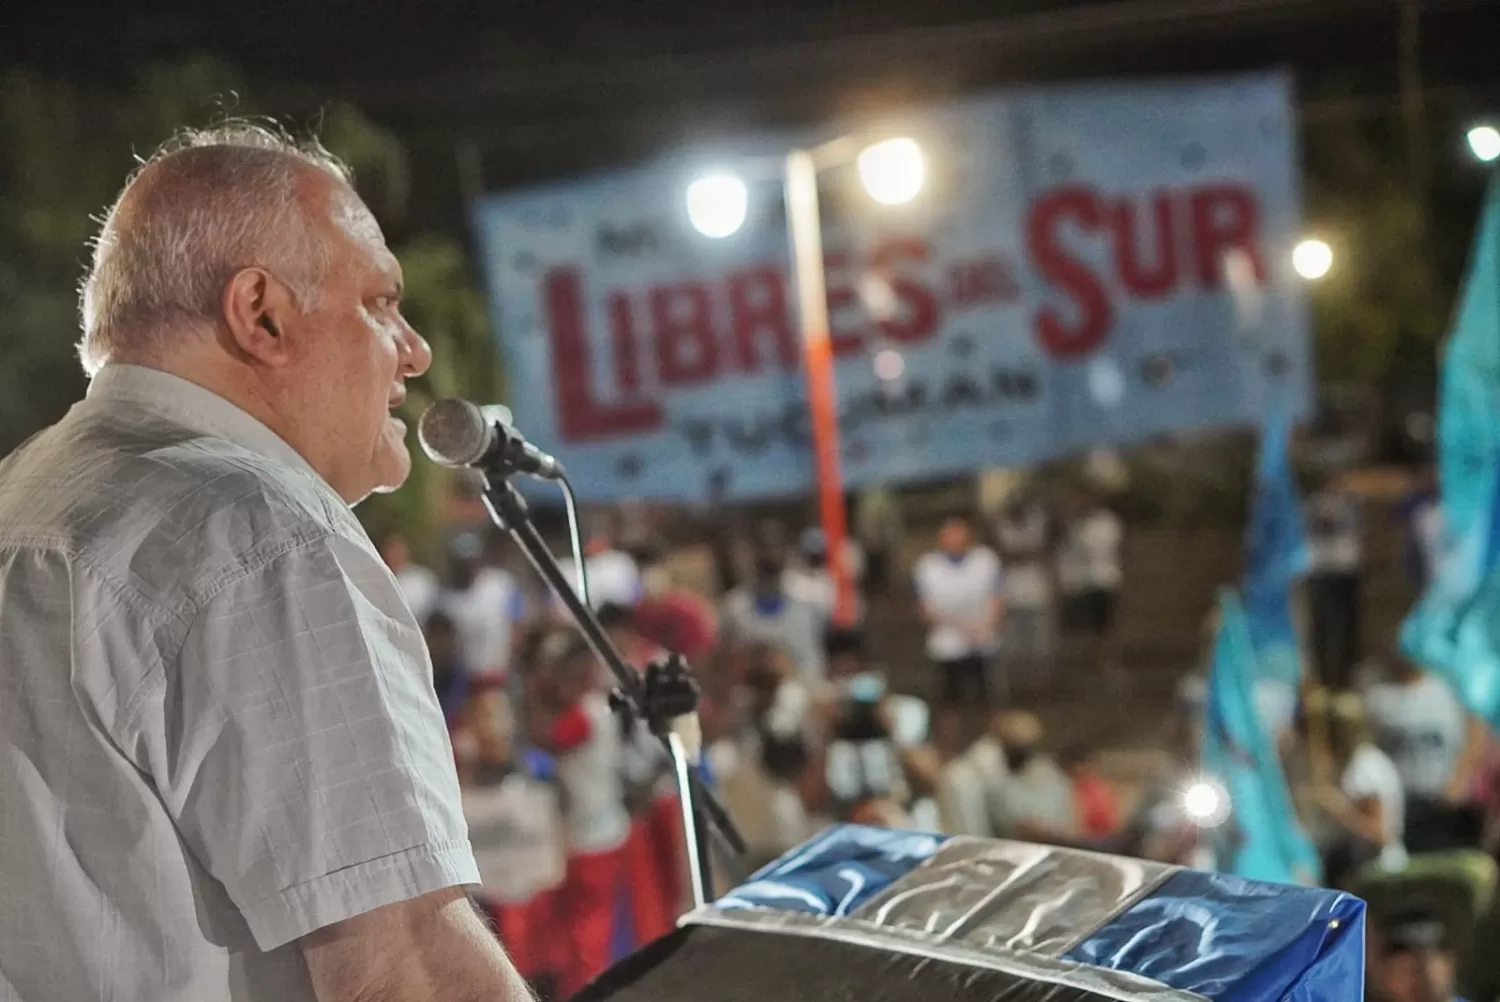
[[418, 353]]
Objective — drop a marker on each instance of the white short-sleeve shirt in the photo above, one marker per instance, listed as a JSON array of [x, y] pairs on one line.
[[1371, 773], [218, 731], [963, 591], [486, 615], [1423, 728]]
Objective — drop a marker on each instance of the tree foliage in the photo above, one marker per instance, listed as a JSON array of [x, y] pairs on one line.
[[63, 157], [1383, 309]]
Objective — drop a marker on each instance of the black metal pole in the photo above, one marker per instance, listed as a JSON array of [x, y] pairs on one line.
[[508, 509]]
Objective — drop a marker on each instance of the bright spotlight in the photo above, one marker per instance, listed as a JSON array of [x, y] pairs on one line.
[[892, 171], [1313, 259], [1484, 140], [1206, 803], [889, 365], [717, 205]]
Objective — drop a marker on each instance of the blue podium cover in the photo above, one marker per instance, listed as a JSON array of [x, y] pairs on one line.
[[1124, 929]]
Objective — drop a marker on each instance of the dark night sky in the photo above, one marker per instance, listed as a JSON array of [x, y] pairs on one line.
[[552, 88]]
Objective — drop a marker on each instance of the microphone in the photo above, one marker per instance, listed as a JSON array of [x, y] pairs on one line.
[[458, 433]]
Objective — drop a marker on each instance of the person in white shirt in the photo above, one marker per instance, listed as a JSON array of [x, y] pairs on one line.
[[764, 612], [1023, 533], [1367, 806], [419, 584], [961, 600], [1089, 575], [224, 773], [1035, 801], [574, 722], [614, 576], [1436, 746], [964, 781], [488, 610], [1334, 586], [812, 581]]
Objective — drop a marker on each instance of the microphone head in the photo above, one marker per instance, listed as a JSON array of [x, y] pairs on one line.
[[454, 432]]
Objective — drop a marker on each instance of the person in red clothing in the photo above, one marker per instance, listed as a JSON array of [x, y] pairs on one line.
[[1094, 800], [574, 722], [656, 856], [673, 617]]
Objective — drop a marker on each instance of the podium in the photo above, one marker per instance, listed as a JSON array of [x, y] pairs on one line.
[[893, 916]]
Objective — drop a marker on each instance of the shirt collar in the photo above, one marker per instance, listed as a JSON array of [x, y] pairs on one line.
[[185, 403]]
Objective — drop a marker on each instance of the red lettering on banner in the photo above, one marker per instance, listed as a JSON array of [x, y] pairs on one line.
[[1073, 277], [626, 345], [682, 318], [1222, 218], [1157, 278], [919, 320], [1225, 217], [582, 416], [757, 306]]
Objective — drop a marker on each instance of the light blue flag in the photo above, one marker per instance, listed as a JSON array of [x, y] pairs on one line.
[[1455, 629], [1276, 558], [1239, 752]]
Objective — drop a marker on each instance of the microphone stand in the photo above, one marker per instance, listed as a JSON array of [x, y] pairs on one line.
[[666, 692]]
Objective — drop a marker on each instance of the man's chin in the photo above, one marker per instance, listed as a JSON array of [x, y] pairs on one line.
[[391, 475]]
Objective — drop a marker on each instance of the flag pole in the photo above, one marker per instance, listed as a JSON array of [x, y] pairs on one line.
[[805, 229]]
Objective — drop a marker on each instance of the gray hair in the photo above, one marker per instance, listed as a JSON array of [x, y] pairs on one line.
[[205, 205]]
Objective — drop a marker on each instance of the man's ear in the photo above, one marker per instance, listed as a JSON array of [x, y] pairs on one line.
[[257, 307]]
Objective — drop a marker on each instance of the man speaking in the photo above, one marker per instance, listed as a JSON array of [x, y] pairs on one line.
[[224, 774]]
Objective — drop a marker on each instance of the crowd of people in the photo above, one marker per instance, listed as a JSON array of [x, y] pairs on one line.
[[573, 812]]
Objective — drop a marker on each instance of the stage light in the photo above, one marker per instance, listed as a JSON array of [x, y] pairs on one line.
[[892, 171], [1484, 141], [1206, 803], [1313, 259], [717, 205]]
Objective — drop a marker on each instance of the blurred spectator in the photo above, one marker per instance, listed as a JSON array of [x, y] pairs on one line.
[[1035, 802], [1411, 957], [1422, 528], [879, 529], [864, 759], [486, 607], [780, 740], [614, 577], [1367, 807], [812, 582], [656, 857], [674, 618], [959, 594], [963, 785], [764, 613], [574, 722], [513, 828], [1089, 576], [450, 676], [1095, 803], [1023, 533], [638, 535], [1336, 555], [1436, 747], [620, 623], [419, 585], [484, 739]]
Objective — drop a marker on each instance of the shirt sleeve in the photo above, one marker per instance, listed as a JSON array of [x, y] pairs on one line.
[[307, 763]]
